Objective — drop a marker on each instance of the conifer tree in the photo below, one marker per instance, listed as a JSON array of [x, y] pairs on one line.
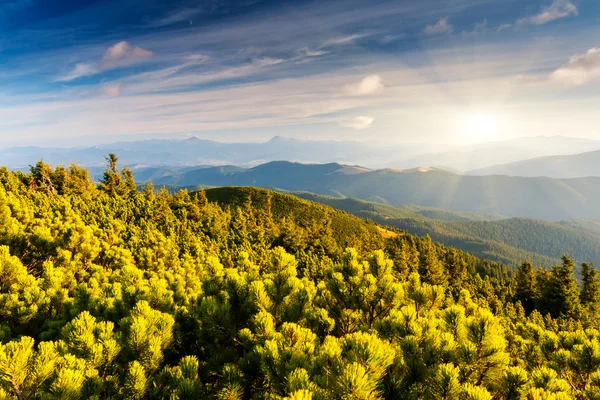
[[590, 289], [561, 294], [526, 290], [42, 178], [457, 268], [115, 182], [431, 268]]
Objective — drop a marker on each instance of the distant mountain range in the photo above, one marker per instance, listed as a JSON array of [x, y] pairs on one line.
[[194, 151], [564, 166], [546, 198], [492, 153]]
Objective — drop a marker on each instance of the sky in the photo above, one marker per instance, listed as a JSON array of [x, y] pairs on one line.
[[429, 71]]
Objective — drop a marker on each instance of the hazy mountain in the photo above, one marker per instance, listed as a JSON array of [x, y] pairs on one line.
[[194, 151], [489, 154], [569, 166], [546, 198]]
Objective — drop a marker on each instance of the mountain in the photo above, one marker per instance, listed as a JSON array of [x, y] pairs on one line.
[[490, 236], [488, 154], [544, 198], [563, 166], [195, 151]]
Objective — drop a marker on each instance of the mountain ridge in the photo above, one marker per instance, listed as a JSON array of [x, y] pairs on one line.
[[545, 198], [194, 150], [579, 165]]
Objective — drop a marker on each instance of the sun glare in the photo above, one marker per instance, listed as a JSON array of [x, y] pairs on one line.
[[479, 127]]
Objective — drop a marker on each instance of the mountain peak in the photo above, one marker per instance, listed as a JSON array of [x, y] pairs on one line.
[[279, 138]]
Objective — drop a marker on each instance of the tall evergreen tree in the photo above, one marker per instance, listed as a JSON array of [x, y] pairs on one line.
[[111, 180], [456, 266], [526, 290], [431, 268], [42, 178], [115, 182], [561, 295], [590, 289]]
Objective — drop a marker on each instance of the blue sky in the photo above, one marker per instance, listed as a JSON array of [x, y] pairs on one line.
[[432, 71]]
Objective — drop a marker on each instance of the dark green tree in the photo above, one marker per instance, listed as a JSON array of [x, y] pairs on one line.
[[115, 182], [431, 268], [561, 294], [590, 288], [526, 290]]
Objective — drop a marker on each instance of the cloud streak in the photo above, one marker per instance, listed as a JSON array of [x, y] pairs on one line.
[[185, 14], [443, 26], [557, 10]]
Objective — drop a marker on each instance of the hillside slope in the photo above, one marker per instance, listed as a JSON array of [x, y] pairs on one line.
[[508, 240]]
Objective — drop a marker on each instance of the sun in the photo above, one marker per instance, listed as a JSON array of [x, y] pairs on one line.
[[479, 127], [481, 123]]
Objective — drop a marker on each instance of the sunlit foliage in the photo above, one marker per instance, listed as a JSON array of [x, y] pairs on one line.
[[107, 292]]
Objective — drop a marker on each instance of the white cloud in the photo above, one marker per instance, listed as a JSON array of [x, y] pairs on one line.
[[358, 123], [558, 9], [197, 58], [343, 40], [370, 84], [440, 27], [306, 52], [122, 54], [110, 90], [580, 69], [171, 78], [81, 69], [503, 27]]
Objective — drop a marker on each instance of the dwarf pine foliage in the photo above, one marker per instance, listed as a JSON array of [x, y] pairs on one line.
[[110, 292]]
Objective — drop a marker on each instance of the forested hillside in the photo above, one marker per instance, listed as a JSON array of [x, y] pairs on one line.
[[107, 292], [507, 240]]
